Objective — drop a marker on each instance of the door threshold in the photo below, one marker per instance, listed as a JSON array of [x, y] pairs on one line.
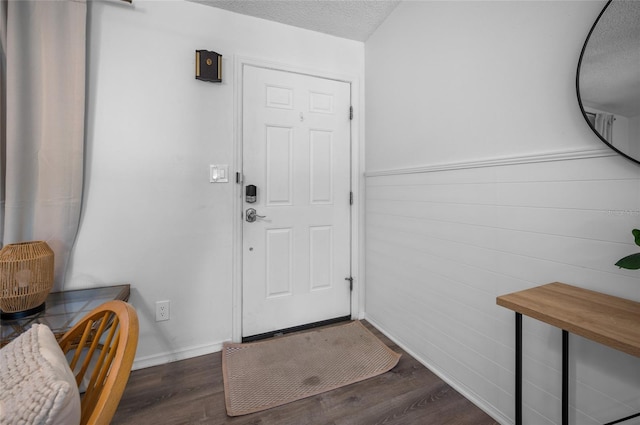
[[308, 326]]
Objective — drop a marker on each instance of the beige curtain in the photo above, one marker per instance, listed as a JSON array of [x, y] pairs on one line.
[[42, 123]]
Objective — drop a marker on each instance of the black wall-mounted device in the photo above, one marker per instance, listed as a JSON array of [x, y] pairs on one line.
[[208, 66], [251, 193]]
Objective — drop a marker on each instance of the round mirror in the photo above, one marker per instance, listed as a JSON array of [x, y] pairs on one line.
[[608, 79]]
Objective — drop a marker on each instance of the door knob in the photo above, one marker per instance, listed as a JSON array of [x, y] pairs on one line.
[[252, 215]]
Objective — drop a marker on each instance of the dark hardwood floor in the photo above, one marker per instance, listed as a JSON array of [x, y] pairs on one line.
[[192, 392]]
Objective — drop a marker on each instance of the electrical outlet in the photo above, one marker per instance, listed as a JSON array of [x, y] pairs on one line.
[[162, 311]]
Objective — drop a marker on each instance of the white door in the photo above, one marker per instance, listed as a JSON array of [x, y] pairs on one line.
[[296, 151]]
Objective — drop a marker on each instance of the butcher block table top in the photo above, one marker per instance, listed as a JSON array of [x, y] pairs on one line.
[[608, 320]]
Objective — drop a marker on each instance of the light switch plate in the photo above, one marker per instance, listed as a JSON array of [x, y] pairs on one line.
[[218, 173]]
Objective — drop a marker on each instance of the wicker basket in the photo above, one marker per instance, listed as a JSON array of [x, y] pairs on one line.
[[26, 276]]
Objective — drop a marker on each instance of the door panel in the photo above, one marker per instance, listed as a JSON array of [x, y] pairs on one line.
[[279, 166], [296, 150]]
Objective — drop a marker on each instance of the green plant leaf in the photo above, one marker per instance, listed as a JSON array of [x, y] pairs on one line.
[[636, 236], [631, 262]]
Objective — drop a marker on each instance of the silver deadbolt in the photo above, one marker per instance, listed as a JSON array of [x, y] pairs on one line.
[[252, 215]]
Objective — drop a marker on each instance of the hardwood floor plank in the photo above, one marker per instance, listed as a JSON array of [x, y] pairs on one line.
[[191, 392]]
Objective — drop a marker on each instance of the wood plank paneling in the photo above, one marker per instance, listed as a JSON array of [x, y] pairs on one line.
[[442, 245]]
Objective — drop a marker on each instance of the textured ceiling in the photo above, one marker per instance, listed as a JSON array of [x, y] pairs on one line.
[[610, 69], [609, 76], [352, 19]]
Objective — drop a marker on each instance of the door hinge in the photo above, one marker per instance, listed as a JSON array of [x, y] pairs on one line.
[[350, 112], [350, 198], [350, 279]]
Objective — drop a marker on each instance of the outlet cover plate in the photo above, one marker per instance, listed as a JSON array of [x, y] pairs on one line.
[[162, 311]]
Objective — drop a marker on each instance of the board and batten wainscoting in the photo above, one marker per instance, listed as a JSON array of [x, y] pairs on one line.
[[444, 240]]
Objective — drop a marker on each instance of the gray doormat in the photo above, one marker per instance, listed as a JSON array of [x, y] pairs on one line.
[[264, 374]]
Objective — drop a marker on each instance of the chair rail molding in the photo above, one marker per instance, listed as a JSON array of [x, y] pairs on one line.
[[566, 155]]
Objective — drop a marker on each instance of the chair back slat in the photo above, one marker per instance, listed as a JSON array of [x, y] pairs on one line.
[[105, 343], [92, 337], [71, 345]]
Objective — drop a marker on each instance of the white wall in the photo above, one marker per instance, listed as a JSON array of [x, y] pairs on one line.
[[151, 217], [484, 179]]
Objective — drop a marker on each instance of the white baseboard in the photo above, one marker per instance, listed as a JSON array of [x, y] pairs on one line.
[[172, 356], [466, 392]]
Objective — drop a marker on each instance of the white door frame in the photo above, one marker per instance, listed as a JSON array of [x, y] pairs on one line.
[[357, 182]]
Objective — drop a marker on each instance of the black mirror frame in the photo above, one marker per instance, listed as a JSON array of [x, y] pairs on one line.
[[584, 113]]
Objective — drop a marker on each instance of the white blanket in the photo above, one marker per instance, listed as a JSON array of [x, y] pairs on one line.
[[36, 384]]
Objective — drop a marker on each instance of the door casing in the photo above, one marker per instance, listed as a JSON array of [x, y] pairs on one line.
[[357, 178]]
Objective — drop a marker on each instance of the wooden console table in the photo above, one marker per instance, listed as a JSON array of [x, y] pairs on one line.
[[608, 320], [63, 310]]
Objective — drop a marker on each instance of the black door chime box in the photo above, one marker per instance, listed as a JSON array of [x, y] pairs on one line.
[[208, 66]]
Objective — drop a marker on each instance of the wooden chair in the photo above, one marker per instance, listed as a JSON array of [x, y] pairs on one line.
[[103, 345]]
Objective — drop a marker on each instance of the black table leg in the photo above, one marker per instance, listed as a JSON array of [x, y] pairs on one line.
[[565, 377], [518, 369], [623, 419]]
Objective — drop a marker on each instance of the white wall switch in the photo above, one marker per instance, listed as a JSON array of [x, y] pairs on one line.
[[219, 173]]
